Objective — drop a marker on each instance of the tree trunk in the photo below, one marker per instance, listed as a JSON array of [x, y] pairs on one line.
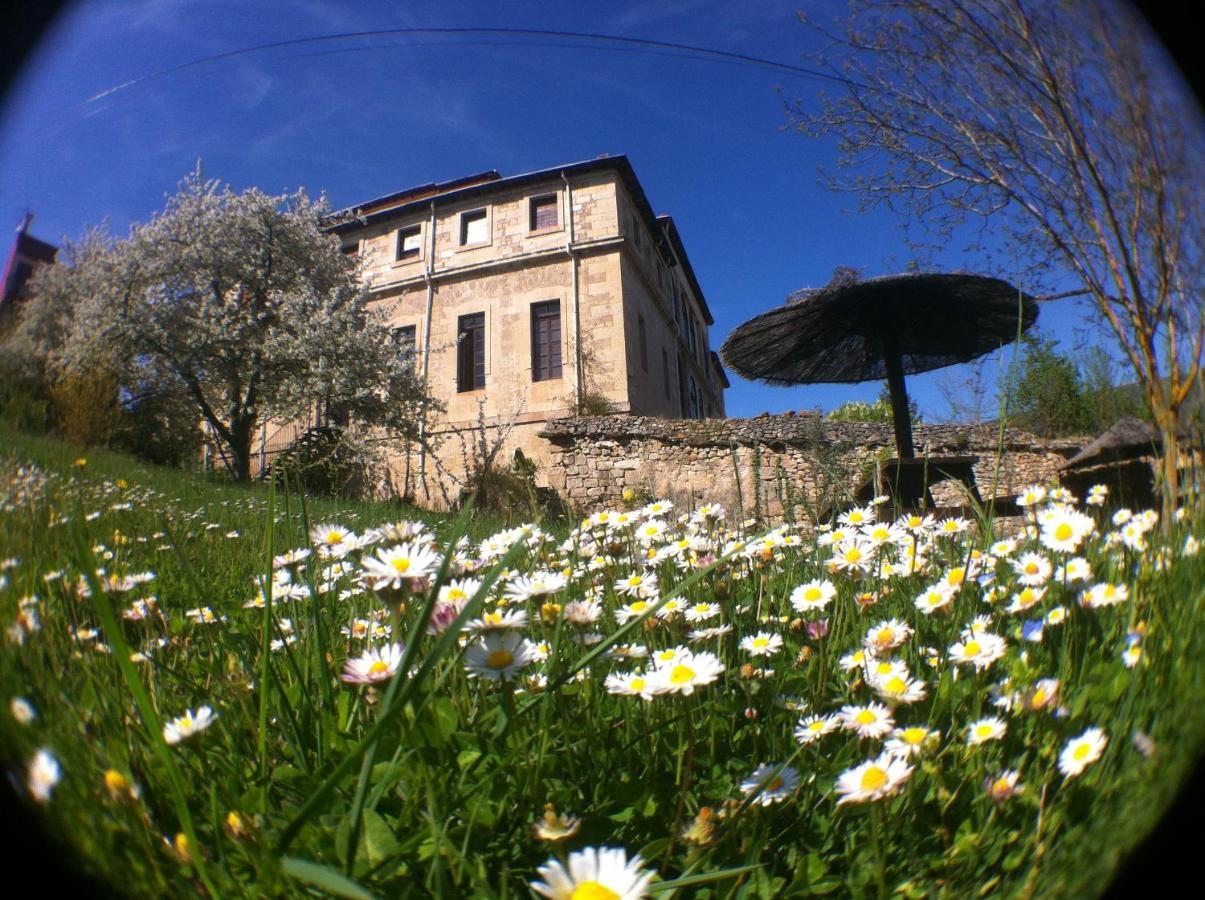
[[1169, 464], [240, 450], [899, 400]]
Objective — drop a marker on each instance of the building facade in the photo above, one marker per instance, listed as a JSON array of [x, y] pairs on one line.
[[25, 256], [529, 298]]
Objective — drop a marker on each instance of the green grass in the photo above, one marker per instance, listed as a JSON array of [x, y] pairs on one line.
[[429, 784]]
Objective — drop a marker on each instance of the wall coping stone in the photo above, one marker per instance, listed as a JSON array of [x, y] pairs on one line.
[[799, 431]]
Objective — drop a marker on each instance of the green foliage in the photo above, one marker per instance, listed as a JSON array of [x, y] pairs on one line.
[[1047, 392], [879, 411], [860, 411], [160, 428], [84, 404], [429, 783]]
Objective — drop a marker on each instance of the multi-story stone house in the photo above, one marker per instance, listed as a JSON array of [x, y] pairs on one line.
[[532, 297]]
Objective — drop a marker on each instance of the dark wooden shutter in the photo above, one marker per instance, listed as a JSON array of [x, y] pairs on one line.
[[470, 353], [546, 340], [544, 212]]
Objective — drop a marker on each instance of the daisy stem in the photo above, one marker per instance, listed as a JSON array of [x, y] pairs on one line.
[[686, 748], [876, 822]]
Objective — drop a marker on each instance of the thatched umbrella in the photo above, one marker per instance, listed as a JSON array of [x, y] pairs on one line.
[[851, 331]]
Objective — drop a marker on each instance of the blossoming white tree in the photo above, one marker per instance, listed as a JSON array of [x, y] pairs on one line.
[[241, 302]]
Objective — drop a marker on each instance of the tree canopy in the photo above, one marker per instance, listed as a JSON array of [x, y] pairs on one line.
[[238, 302]]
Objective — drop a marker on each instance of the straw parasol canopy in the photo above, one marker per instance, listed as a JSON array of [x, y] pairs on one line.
[[856, 330]]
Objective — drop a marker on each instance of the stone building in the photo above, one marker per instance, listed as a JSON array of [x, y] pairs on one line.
[[528, 298], [25, 256]]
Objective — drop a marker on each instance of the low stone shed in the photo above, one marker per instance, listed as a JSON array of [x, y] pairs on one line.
[[792, 465]]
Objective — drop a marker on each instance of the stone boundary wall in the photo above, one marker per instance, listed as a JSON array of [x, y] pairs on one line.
[[780, 466]]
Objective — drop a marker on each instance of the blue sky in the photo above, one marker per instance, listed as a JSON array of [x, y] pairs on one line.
[[359, 118]]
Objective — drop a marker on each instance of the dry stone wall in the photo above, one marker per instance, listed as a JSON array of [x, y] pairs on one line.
[[778, 466]]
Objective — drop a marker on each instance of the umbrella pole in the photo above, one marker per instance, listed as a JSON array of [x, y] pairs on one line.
[[899, 403]]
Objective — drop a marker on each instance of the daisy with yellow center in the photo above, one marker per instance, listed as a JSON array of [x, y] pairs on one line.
[[701, 612], [886, 636], [813, 728], [906, 742], [762, 644], [594, 874], [187, 725], [688, 672], [770, 784], [870, 721], [1101, 595], [1080, 752], [873, 780], [396, 567], [813, 596], [374, 666], [979, 649], [634, 684], [898, 688], [984, 730], [498, 656], [1001, 787], [1043, 695]]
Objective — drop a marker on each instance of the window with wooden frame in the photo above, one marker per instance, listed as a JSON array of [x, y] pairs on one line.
[[543, 212], [546, 340], [409, 243], [470, 352], [474, 227], [405, 339]]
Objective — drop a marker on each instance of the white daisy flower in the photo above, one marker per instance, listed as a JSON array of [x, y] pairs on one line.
[[886, 636], [980, 650], [187, 725], [499, 655], [44, 774], [594, 874], [1082, 751], [906, 742], [934, 598], [536, 585], [813, 596], [701, 612], [870, 721], [505, 620], [873, 780], [761, 644], [689, 671], [1033, 569], [1101, 595], [396, 567], [815, 727], [770, 787], [634, 684], [984, 730], [898, 688], [373, 666], [1001, 787]]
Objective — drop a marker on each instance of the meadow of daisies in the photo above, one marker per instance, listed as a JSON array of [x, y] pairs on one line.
[[250, 693]]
